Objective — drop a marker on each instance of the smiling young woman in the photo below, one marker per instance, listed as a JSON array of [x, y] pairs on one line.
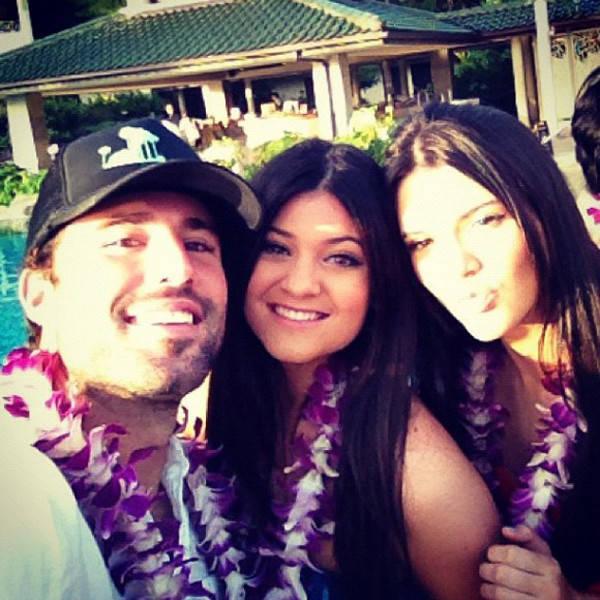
[[509, 351], [347, 486]]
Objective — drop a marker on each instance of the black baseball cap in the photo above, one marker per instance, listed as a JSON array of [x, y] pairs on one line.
[[136, 155]]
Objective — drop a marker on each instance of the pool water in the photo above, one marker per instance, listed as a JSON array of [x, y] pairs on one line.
[[12, 322]]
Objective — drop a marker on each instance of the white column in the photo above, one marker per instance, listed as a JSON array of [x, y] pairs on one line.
[[249, 96], [181, 103], [441, 74], [25, 30], [544, 64], [27, 131], [341, 92], [214, 101], [518, 65], [321, 85]]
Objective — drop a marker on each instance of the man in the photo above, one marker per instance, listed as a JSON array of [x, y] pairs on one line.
[[124, 280]]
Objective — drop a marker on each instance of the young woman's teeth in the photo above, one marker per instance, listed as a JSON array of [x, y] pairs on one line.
[[297, 315]]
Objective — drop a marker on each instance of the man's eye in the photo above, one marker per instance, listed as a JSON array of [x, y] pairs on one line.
[[200, 246], [124, 243]]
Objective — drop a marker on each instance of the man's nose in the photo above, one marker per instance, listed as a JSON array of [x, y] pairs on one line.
[[168, 262]]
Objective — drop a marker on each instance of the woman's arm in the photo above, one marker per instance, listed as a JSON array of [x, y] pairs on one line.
[[449, 513]]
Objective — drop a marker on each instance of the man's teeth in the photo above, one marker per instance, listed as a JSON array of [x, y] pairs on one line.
[[297, 315], [164, 317]]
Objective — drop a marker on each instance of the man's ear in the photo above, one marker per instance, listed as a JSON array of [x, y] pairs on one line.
[[36, 295]]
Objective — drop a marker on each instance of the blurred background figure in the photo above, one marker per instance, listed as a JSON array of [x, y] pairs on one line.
[[585, 126]]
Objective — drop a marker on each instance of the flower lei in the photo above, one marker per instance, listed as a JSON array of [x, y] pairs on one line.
[[144, 555], [546, 475]]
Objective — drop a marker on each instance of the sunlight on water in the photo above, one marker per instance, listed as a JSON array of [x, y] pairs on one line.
[[12, 324]]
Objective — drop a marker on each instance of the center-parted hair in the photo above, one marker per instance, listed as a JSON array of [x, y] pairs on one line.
[[495, 150], [248, 385]]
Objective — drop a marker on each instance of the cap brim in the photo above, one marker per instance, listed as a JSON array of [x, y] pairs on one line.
[[190, 176]]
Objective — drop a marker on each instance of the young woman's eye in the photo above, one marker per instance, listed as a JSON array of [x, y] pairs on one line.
[[345, 260], [491, 219], [416, 245], [274, 248]]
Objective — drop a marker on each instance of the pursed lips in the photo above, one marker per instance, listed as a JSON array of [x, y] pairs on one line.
[[481, 302]]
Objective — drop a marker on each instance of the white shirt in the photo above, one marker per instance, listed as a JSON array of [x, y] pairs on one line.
[[47, 551]]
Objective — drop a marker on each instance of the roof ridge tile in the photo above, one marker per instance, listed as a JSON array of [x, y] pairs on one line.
[[364, 21]]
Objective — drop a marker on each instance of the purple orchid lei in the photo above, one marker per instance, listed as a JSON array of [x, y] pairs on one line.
[[309, 518], [546, 474], [143, 555]]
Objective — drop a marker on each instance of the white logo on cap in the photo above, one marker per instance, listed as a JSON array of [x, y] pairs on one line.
[[141, 148]]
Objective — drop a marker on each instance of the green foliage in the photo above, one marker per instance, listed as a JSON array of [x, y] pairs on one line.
[[14, 180], [486, 73], [372, 135], [67, 117], [49, 17], [264, 153]]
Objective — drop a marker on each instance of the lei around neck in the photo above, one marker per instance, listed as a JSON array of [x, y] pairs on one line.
[[144, 556], [545, 477]]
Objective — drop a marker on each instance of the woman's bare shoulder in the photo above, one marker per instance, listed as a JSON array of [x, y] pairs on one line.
[[449, 513]]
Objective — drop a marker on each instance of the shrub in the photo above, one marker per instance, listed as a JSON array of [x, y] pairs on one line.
[[14, 180], [68, 118]]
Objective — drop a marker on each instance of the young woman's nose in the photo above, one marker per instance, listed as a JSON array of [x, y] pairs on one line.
[[459, 259], [302, 278]]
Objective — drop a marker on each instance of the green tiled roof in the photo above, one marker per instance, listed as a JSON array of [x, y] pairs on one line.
[[519, 15], [198, 31], [395, 17], [224, 28]]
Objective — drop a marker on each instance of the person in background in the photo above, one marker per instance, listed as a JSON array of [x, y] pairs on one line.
[[585, 129], [510, 351], [345, 484]]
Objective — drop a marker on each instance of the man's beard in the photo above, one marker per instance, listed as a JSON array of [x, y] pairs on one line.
[[153, 381], [171, 387]]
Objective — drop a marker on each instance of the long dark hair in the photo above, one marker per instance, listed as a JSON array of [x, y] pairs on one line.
[[246, 386], [495, 150], [585, 127]]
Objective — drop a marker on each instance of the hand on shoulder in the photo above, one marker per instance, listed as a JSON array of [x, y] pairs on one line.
[[524, 567]]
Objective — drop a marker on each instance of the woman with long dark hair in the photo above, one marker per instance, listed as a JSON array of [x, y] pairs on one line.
[[510, 297], [343, 479]]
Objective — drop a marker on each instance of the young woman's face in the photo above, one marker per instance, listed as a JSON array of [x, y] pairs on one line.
[[309, 292], [468, 251]]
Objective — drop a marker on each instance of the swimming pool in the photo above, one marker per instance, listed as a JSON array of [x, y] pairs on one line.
[[12, 323]]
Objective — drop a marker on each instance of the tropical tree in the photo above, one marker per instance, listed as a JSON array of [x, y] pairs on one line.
[[50, 17]]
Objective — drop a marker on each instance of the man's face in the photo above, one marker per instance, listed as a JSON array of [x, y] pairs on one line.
[[137, 297]]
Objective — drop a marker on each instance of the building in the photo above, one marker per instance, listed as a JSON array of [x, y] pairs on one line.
[[223, 56]]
